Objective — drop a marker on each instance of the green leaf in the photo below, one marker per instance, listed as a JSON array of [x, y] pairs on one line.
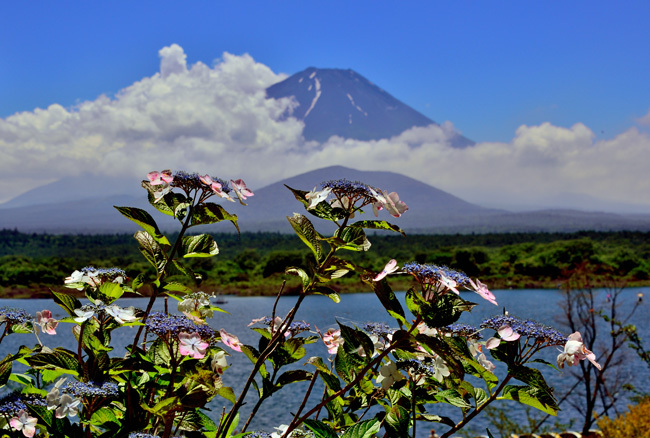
[[145, 221], [174, 286], [110, 292], [227, 393], [320, 429], [351, 238], [533, 378], [387, 298], [5, 369], [67, 302], [211, 213], [202, 245], [353, 339], [151, 250], [292, 270], [104, 416], [445, 310], [162, 407], [307, 233], [322, 210], [530, 396], [452, 397], [59, 359], [363, 429], [397, 422], [327, 291], [378, 225], [293, 376]]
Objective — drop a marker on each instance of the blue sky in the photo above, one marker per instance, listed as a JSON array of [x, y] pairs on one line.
[[556, 94], [487, 67]]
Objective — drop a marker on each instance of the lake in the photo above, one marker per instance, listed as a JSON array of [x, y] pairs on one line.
[[357, 309]]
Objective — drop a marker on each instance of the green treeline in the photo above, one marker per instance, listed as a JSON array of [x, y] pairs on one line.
[[253, 263]]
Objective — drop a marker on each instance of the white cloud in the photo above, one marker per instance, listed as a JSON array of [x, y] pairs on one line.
[[217, 120]]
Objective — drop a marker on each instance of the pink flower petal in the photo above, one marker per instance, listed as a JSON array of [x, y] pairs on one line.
[[390, 267]]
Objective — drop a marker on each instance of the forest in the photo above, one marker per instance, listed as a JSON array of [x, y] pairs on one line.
[[254, 263]]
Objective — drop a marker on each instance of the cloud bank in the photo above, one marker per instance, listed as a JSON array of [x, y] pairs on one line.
[[217, 120]]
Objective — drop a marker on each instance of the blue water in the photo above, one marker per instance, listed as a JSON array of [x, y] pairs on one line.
[[357, 309]]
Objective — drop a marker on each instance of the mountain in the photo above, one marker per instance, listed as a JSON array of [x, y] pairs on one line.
[[48, 209], [344, 103]]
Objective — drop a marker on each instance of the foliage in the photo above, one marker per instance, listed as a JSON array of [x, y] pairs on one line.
[[162, 383], [632, 424]]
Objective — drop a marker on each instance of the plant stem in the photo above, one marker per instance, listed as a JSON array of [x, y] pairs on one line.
[[478, 409]]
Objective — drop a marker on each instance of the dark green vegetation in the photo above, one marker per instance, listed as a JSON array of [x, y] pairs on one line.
[[252, 264]]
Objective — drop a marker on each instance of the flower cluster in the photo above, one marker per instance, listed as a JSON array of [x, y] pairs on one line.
[[161, 183], [196, 305], [378, 329], [332, 339], [575, 351], [91, 389], [47, 323], [348, 193], [11, 316], [434, 367], [463, 330], [119, 314], [293, 329], [540, 333], [15, 402], [163, 324], [94, 277]]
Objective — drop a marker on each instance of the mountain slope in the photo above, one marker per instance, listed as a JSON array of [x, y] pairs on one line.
[[344, 103]]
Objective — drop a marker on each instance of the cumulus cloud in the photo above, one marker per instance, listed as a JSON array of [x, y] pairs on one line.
[[217, 120]]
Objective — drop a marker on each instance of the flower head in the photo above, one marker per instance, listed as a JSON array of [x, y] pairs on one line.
[[315, 197], [332, 339], [242, 192], [91, 389], [164, 325], [94, 277], [390, 267], [230, 340], [532, 330], [191, 344], [483, 291], [219, 362], [47, 323], [506, 333], [160, 178], [23, 422], [121, 315], [575, 351], [389, 374], [388, 201]]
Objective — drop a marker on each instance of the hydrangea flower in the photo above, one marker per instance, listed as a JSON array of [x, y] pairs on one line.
[[575, 351], [191, 344], [506, 333], [164, 325], [389, 374], [47, 323], [219, 362], [160, 178], [216, 186], [539, 333], [121, 315], [294, 328], [14, 402], [332, 339], [315, 197], [390, 267], [230, 340], [11, 316], [94, 277], [242, 192], [388, 201], [91, 389], [196, 304], [23, 422], [436, 280]]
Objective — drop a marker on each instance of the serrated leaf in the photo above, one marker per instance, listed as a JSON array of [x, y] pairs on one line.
[[293, 376], [443, 311], [307, 233], [378, 225], [59, 359], [146, 222], [304, 278], [397, 422], [174, 286], [202, 245], [327, 291], [531, 397], [211, 213], [320, 429], [351, 238], [67, 302], [227, 393], [110, 292], [151, 250], [363, 429], [452, 397]]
